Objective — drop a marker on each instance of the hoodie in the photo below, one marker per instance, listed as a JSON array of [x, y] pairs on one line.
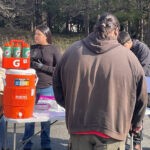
[[102, 86], [142, 52]]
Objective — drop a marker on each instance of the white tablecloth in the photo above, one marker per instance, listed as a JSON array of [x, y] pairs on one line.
[[40, 116]]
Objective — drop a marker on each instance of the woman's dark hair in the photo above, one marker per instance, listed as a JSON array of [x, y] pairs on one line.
[[46, 31], [105, 25], [123, 37]]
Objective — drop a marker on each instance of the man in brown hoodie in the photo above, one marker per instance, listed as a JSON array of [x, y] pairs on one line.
[[102, 87]]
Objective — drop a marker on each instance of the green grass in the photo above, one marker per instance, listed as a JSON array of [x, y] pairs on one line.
[[60, 40], [64, 41]]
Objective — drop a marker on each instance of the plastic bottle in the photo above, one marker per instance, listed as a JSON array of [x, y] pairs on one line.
[[26, 51], [7, 50], [16, 50]]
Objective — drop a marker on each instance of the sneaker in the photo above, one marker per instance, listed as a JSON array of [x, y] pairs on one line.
[[137, 147]]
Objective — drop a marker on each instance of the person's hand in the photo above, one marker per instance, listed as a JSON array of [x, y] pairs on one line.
[[137, 129], [37, 65]]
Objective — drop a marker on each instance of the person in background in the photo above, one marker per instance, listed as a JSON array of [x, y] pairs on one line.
[[44, 58], [142, 52], [103, 89], [2, 122], [140, 49]]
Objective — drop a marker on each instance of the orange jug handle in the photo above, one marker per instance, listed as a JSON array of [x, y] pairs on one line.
[[17, 41], [36, 79]]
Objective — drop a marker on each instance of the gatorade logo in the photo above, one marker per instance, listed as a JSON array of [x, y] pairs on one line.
[[18, 53], [7, 52], [16, 63], [27, 53]]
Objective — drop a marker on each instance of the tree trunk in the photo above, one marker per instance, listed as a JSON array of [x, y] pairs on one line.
[[67, 23], [86, 17], [32, 26], [86, 24], [78, 27], [126, 26], [148, 29], [129, 26], [141, 21], [44, 15], [49, 20], [13, 3], [37, 13], [141, 29]]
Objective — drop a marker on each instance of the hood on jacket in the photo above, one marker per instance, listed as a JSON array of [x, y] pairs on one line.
[[99, 46], [135, 42]]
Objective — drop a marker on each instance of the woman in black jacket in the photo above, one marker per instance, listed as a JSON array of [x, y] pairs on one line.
[[44, 57]]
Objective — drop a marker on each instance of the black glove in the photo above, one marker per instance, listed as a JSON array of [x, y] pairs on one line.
[[37, 65]]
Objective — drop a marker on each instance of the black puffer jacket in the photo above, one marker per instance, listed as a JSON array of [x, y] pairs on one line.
[[49, 56], [142, 52]]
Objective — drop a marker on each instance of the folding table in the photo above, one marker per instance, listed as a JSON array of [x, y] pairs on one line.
[[38, 116]]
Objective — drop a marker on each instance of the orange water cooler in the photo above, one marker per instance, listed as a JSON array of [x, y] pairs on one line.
[[19, 93]]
